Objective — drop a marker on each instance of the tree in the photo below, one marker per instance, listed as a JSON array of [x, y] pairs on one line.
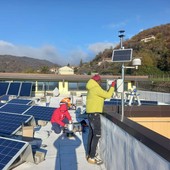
[[81, 63], [44, 69]]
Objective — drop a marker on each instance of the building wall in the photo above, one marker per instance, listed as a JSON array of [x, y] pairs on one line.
[[65, 70]]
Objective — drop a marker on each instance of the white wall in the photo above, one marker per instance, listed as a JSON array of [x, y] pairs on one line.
[[155, 96]]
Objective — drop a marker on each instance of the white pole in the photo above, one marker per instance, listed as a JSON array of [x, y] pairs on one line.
[[122, 96], [123, 73]]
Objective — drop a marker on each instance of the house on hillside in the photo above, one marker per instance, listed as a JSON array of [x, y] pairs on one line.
[[149, 38], [65, 70]]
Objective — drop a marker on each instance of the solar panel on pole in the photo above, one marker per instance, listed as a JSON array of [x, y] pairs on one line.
[[122, 55]]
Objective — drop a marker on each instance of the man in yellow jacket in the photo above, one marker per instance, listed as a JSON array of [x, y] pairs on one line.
[[94, 107]]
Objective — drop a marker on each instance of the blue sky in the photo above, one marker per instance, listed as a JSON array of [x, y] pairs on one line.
[[66, 31]]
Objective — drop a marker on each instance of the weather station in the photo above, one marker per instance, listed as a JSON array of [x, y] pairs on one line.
[[123, 55]]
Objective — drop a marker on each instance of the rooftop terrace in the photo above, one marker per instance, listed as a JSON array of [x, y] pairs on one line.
[[125, 145]]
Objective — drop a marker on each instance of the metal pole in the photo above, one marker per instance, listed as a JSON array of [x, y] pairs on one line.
[[122, 96], [121, 35]]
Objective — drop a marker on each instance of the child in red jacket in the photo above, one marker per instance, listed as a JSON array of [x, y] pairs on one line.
[[60, 118]]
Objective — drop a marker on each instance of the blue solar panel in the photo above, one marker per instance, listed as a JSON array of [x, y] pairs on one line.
[[146, 102], [4, 98], [40, 112], [20, 101], [118, 102], [14, 89], [112, 103], [14, 108], [26, 89], [10, 123], [10, 150], [1, 104], [3, 88]]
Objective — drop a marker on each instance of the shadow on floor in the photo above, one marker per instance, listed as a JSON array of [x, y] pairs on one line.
[[66, 152]]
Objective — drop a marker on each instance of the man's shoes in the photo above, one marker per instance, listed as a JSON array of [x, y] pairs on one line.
[[98, 160], [91, 160]]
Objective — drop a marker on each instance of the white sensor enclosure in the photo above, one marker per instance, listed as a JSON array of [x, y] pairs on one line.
[[136, 62]]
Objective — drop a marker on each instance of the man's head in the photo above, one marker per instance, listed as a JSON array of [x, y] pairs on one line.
[[97, 78]]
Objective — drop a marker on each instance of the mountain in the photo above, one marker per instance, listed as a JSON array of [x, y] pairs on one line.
[[9, 63], [151, 45]]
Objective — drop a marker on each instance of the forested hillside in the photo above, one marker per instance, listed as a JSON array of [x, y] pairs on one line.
[[151, 45], [9, 63]]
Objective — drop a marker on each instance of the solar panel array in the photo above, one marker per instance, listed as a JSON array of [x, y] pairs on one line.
[[15, 88], [13, 114], [10, 123], [40, 112], [10, 149], [119, 102]]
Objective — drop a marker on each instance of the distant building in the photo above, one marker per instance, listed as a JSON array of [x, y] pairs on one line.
[[149, 38], [65, 70]]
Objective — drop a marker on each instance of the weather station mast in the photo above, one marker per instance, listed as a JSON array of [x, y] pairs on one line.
[[123, 55], [121, 35]]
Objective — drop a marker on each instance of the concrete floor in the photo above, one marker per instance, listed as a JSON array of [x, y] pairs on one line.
[[62, 152]]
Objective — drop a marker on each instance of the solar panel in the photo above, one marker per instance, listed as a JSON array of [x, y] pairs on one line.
[[14, 89], [122, 55], [10, 150], [146, 102], [20, 101], [3, 88], [112, 102], [1, 104], [4, 98], [26, 89], [14, 108], [40, 112], [10, 123]]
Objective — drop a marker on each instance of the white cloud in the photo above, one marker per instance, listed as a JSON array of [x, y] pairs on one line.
[[100, 47], [117, 25], [47, 52], [51, 53], [5, 44]]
